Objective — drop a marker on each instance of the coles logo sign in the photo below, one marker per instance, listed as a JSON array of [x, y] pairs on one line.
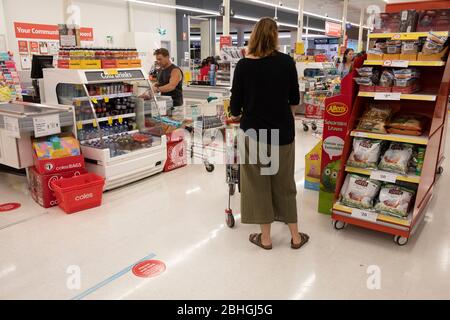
[[85, 196], [337, 109]]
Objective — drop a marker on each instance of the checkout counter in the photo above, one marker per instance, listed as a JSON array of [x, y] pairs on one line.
[[21, 121], [194, 94]]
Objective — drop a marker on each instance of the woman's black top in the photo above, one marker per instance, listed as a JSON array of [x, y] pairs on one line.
[[263, 91]]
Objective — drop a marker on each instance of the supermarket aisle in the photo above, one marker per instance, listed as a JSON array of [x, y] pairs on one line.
[[178, 218]]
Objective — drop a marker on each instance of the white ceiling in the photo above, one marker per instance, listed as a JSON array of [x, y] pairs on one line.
[[334, 8]]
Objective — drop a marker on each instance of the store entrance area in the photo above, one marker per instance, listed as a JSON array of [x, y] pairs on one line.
[[178, 218]]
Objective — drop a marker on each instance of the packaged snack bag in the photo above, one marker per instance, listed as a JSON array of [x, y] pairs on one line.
[[395, 200], [375, 118], [411, 124], [396, 158], [365, 154], [387, 78], [359, 191], [420, 160]]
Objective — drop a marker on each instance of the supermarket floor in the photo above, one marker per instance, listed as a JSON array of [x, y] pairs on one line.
[[178, 218]]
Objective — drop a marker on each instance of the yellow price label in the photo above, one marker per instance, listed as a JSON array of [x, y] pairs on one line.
[[111, 72], [120, 120], [94, 100], [300, 48], [106, 99], [110, 120], [79, 125], [78, 103], [94, 123]]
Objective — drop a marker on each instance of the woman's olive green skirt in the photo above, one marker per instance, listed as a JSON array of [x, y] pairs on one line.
[[266, 198]]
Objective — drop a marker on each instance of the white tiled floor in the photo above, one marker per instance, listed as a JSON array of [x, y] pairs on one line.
[[179, 217]]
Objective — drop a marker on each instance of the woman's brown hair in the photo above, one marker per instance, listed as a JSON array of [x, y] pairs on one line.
[[264, 39]]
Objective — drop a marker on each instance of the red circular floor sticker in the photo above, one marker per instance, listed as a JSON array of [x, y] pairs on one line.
[[9, 206], [149, 268]]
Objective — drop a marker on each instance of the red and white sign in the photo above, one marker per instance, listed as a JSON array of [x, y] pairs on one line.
[[23, 46], [86, 34], [34, 47], [36, 31], [333, 29], [46, 31], [9, 207], [149, 269], [226, 41]]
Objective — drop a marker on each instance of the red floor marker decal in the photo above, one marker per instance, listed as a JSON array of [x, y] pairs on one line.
[[9, 206], [149, 268]]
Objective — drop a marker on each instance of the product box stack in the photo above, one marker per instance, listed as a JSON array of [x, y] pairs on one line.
[[55, 157], [98, 58], [10, 88], [434, 20], [404, 21]]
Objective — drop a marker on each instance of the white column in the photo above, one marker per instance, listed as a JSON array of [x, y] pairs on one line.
[[205, 36], [344, 21], [301, 7], [66, 4], [361, 30], [226, 18], [130, 17], [3, 32]]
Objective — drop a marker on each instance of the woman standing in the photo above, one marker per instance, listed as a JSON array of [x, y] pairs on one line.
[[265, 91], [347, 63]]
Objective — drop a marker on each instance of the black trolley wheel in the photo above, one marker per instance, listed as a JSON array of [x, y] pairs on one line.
[[209, 167], [401, 241], [339, 225], [305, 128], [440, 170], [230, 220], [314, 127]]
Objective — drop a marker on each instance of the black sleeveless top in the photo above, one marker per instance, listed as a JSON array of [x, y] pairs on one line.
[[164, 78]]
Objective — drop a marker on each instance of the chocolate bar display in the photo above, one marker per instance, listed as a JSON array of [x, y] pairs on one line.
[[404, 21], [434, 20]]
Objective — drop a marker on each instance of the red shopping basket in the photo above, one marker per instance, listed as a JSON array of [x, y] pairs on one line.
[[79, 193]]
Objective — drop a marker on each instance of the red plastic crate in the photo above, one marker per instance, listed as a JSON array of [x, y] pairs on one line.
[[48, 166], [79, 193], [40, 185]]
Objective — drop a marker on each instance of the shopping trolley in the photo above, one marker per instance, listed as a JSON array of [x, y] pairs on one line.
[[208, 121], [314, 105], [232, 168]]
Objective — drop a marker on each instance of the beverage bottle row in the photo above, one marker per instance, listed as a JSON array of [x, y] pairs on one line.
[[110, 88], [79, 53], [114, 107], [106, 130]]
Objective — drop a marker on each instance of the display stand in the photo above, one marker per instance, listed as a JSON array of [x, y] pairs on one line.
[[432, 100], [17, 130], [120, 162], [338, 110]]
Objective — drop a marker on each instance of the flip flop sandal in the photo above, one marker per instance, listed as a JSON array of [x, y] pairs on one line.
[[304, 239], [255, 238]]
